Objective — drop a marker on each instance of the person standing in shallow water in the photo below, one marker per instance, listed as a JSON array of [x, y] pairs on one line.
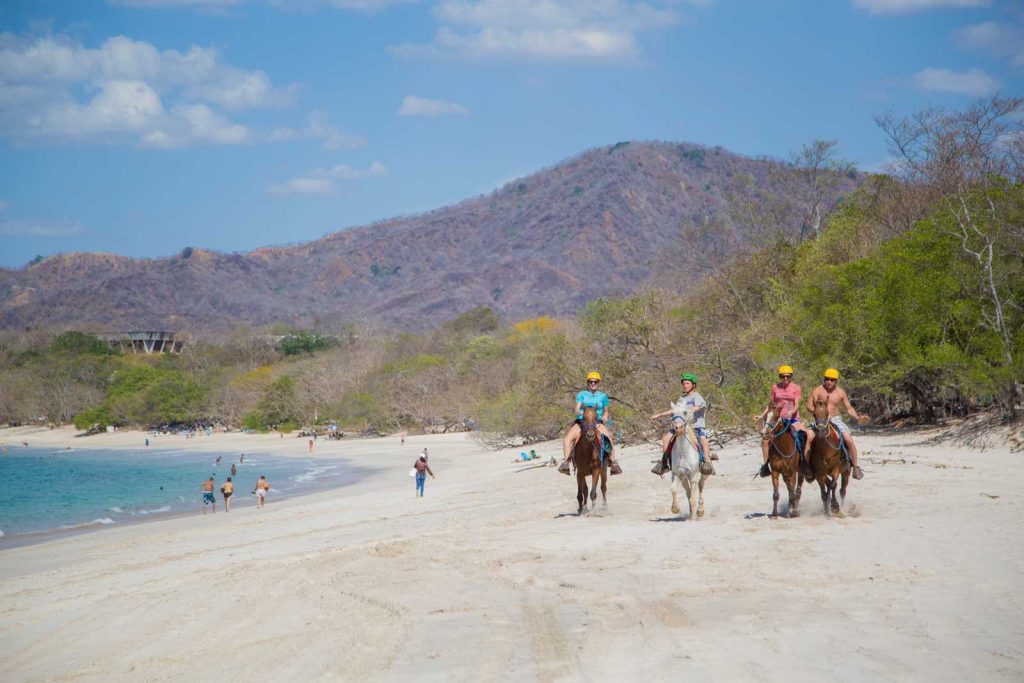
[[208, 499], [422, 470]]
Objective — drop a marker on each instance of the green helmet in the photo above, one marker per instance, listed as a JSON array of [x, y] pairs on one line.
[[688, 376]]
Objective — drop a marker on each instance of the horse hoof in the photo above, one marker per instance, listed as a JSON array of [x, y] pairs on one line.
[[793, 514], [675, 509], [773, 516], [700, 514]]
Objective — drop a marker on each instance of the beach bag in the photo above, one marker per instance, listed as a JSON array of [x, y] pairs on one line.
[[412, 472]]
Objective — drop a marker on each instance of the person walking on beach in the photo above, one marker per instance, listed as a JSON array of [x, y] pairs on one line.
[[227, 490], [422, 470], [311, 445], [262, 486], [207, 488], [241, 459], [234, 470]]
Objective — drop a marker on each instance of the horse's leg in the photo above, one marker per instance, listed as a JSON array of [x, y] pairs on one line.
[[675, 494], [775, 494], [595, 478], [834, 481], [691, 493], [790, 480], [700, 496], [581, 492], [824, 494], [604, 488], [842, 489]]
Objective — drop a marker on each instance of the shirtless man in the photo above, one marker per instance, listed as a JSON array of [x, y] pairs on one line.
[[784, 404], [207, 488], [262, 486], [830, 396]]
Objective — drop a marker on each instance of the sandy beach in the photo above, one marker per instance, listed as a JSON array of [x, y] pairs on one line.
[[492, 577]]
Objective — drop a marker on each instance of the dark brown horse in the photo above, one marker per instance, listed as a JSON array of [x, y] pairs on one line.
[[586, 457], [828, 463], [784, 460]]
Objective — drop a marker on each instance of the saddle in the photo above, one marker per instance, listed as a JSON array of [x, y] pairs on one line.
[[706, 467]]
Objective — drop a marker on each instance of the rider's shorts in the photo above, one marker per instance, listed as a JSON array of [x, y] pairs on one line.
[[701, 432], [840, 425]]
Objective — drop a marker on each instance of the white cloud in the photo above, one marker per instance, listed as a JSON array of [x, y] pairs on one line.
[[542, 29], [319, 128], [1002, 40], [973, 83], [38, 228], [420, 106], [325, 180], [907, 6], [53, 89]]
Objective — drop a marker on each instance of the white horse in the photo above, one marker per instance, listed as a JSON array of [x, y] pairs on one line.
[[685, 466]]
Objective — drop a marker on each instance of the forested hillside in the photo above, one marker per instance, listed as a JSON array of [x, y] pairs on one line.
[[913, 286]]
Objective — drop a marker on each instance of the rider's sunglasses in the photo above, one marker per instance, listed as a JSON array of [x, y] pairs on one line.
[[829, 379], [593, 381], [785, 376]]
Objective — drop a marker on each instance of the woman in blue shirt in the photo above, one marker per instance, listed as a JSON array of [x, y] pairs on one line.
[[599, 401]]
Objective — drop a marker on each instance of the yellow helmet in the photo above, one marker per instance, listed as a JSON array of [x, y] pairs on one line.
[[785, 370], [831, 373], [594, 375]]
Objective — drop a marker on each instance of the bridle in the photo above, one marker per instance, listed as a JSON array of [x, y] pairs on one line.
[[825, 428]]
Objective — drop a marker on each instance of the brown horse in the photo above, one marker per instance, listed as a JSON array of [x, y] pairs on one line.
[[828, 463], [784, 460], [586, 457]]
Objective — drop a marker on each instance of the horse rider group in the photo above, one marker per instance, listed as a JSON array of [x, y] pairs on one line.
[[689, 411]]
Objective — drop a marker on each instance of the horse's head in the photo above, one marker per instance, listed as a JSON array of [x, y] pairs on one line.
[[589, 419], [678, 425]]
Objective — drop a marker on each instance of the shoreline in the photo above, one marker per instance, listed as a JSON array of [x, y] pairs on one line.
[[65, 440], [11, 540], [218, 442]]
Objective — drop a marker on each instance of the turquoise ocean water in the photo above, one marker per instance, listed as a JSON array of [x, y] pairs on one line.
[[46, 490]]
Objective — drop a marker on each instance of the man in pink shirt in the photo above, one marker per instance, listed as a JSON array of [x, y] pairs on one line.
[[784, 404]]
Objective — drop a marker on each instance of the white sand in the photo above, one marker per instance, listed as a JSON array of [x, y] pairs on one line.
[[489, 578]]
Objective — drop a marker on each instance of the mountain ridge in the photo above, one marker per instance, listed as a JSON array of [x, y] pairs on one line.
[[607, 221]]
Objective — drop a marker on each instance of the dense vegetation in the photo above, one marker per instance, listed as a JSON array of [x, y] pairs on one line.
[[913, 287]]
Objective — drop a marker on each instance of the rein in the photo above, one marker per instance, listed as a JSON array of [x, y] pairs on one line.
[[785, 424]]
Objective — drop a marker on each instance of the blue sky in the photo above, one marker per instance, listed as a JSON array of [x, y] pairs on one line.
[[139, 127]]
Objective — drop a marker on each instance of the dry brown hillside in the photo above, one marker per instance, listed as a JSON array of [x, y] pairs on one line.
[[605, 222]]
